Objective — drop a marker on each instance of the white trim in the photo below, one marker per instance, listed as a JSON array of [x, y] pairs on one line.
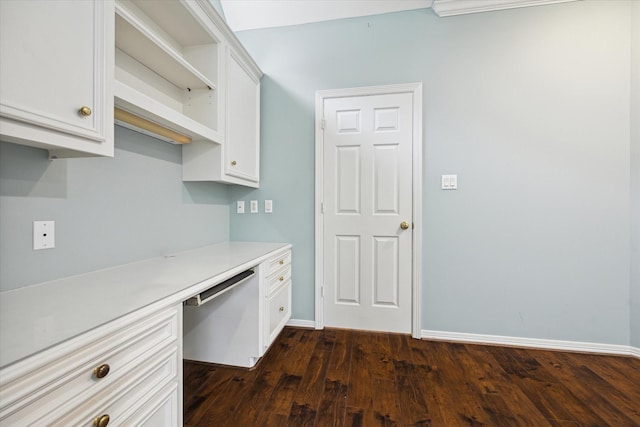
[[301, 323], [461, 7], [585, 347], [416, 90]]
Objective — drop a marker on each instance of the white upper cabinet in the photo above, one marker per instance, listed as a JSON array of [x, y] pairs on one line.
[[180, 67], [236, 160], [243, 121], [56, 75]]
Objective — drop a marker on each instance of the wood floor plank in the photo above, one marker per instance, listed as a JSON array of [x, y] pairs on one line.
[[331, 412], [504, 402], [601, 396], [283, 394], [336, 378], [545, 391], [386, 407], [311, 387], [359, 393], [340, 361], [457, 403]]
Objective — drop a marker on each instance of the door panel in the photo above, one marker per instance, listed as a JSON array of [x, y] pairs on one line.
[[367, 161]]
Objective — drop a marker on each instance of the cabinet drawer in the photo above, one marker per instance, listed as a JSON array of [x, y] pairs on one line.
[[278, 278], [128, 395], [68, 380], [279, 309], [162, 409], [278, 262]]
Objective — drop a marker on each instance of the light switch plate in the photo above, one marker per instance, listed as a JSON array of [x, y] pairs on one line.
[[268, 206], [240, 206], [254, 206], [449, 182], [44, 235]]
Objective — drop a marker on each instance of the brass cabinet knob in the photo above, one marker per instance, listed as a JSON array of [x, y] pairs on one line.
[[281, 278], [281, 309], [281, 262], [233, 163], [404, 225], [85, 111], [101, 371], [101, 421]]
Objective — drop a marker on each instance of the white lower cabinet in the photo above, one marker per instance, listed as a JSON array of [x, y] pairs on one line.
[[238, 327], [278, 297], [127, 372]]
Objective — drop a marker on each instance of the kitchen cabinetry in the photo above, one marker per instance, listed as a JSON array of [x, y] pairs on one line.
[[127, 372], [238, 327], [277, 277], [56, 75], [178, 65], [237, 159], [56, 338], [167, 67]]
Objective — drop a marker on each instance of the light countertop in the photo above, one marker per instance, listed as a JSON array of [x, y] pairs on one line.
[[40, 316]]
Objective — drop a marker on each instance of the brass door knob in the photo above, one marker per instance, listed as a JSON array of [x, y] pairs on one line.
[[404, 225], [101, 421], [281, 309], [101, 371], [233, 163], [85, 111]]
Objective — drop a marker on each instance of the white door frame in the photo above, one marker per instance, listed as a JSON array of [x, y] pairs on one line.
[[416, 285]]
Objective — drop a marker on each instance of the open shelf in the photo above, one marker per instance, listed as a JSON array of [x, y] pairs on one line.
[[167, 67], [141, 105], [141, 38]]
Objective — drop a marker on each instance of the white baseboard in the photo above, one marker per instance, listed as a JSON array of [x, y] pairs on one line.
[[585, 347], [300, 323]]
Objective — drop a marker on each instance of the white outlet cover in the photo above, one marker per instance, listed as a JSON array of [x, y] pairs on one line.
[[44, 235], [268, 206], [254, 206], [449, 182], [240, 206]]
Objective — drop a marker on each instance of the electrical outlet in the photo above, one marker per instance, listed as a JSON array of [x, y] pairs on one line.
[[254, 206], [268, 206], [44, 236], [240, 206]]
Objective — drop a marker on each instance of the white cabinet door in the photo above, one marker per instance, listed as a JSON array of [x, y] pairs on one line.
[[56, 59], [242, 142]]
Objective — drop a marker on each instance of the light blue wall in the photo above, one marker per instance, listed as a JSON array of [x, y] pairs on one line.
[[530, 108], [107, 211], [635, 176]]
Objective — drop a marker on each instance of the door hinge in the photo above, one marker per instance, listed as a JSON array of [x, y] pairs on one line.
[[322, 291], [322, 207], [323, 123]]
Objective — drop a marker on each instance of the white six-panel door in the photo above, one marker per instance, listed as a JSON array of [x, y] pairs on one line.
[[367, 195]]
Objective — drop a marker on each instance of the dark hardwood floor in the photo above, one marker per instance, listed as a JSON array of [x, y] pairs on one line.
[[352, 378]]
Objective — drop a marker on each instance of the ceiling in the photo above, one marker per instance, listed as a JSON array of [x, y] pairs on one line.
[[252, 14]]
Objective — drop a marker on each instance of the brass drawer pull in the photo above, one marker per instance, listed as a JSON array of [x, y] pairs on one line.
[[281, 262], [101, 421], [85, 111], [233, 163], [101, 371], [281, 278], [281, 309]]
